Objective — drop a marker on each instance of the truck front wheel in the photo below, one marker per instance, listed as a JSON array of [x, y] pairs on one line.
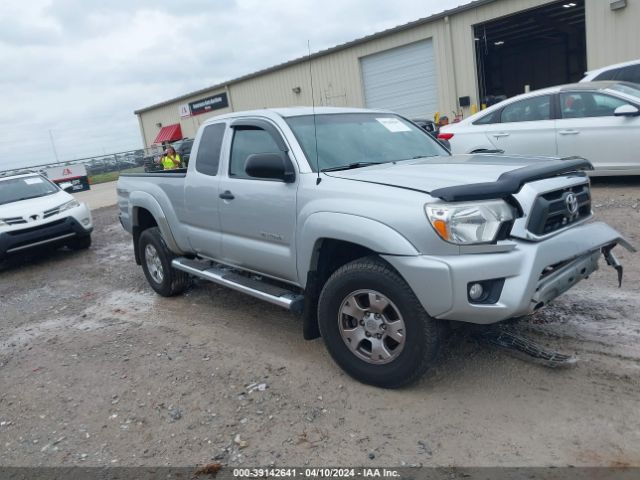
[[374, 326], [156, 264]]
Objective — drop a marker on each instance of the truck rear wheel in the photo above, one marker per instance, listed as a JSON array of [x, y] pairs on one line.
[[374, 326], [156, 264]]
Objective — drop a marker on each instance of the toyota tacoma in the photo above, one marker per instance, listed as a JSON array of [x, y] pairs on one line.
[[366, 226]]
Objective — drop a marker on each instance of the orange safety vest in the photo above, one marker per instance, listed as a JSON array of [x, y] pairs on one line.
[[169, 163]]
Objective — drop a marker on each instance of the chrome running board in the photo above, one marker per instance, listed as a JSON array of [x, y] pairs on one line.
[[227, 277]]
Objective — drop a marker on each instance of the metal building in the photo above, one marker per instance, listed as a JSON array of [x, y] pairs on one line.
[[451, 63]]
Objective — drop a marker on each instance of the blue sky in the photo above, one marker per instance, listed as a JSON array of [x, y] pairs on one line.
[[80, 68]]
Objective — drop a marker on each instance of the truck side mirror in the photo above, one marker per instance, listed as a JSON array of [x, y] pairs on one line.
[[626, 111], [270, 165]]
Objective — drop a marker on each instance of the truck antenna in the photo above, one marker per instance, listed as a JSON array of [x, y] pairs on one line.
[[313, 107]]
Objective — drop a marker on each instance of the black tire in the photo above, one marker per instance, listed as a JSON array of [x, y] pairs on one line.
[[172, 282], [80, 243], [423, 335]]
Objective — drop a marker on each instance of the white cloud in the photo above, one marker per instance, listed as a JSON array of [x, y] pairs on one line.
[[80, 68]]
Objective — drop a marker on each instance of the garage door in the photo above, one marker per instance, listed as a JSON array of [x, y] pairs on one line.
[[403, 80]]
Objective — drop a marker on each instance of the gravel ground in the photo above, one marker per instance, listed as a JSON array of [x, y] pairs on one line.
[[95, 369]]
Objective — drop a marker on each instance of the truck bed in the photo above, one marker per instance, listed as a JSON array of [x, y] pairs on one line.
[[178, 172], [161, 193]]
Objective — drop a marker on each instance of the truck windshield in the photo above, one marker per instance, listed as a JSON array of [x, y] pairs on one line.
[[361, 138], [24, 188]]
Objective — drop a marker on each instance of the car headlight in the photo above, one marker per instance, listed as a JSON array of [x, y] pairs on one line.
[[70, 204], [469, 222]]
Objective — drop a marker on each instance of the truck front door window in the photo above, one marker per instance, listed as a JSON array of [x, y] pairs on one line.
[[246, 142]]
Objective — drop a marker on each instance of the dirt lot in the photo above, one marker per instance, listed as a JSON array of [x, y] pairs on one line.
[[95, 369]]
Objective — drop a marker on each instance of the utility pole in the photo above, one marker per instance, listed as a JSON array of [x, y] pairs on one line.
[[53, 146]]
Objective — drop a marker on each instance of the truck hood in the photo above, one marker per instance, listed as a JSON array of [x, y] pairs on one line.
[[432, 173]]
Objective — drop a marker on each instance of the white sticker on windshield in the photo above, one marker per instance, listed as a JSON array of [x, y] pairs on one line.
[[393, 124], [32, 180]]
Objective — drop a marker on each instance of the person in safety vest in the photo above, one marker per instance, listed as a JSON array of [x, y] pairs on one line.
[[171, 159]]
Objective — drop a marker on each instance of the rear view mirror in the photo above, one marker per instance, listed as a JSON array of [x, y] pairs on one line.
[[66, 186], [274, 166], [626, 111]]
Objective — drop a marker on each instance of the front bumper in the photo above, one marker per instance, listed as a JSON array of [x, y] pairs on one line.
[[441, 283], [56, 232]]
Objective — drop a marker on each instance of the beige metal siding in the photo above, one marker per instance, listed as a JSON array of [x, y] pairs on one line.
[[612, 36], [336, 77], [169, 114], [338, 80]]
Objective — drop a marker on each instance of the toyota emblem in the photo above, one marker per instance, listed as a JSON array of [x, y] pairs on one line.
[[572, 203]]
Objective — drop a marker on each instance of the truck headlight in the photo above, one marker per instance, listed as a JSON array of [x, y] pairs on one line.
[[70, 204], [469, 222]]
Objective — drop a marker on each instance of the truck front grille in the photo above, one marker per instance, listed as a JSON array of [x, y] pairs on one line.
[[558, 209]]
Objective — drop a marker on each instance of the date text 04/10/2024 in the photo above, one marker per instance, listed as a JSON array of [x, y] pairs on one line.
[[315, 472]]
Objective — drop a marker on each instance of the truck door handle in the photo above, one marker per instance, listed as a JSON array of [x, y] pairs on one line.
[[502, 134], [226, 195], [568, 132]]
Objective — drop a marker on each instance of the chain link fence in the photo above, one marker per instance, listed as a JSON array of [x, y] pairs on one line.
[[107, 167]]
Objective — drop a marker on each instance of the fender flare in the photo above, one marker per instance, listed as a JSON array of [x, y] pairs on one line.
[[139, 200], [369, 233]]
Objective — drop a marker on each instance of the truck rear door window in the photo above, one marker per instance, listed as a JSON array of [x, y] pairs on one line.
[[208, 157]]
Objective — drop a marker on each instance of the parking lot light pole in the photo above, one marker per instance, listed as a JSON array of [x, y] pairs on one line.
[[53, 146]]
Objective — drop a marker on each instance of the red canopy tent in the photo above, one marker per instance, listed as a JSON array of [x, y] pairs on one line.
[[169, 133]]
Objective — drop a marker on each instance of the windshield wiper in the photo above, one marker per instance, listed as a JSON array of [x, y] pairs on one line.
[[350, 166]]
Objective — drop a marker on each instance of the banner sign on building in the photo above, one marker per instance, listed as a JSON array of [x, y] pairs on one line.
[[208, 104], [76, 175], [184, 110]]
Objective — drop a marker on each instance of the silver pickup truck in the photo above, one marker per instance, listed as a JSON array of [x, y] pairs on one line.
[[366, 226]]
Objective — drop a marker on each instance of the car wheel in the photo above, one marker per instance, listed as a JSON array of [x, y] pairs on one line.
[[80, 243], [156, 264], [374, 326]]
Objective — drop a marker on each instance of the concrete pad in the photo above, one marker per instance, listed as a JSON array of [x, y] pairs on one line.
[[101, 195]]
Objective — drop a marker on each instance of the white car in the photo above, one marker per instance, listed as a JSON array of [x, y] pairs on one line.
[[35, 212], [621, 72], [599, 121]]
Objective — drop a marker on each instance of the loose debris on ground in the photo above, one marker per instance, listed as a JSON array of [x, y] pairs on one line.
[[95, 369]]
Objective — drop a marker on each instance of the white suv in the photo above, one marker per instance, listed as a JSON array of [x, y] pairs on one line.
[[35, 211]]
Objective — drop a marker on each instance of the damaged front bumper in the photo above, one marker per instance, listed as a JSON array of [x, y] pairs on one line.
[[528, 276]]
